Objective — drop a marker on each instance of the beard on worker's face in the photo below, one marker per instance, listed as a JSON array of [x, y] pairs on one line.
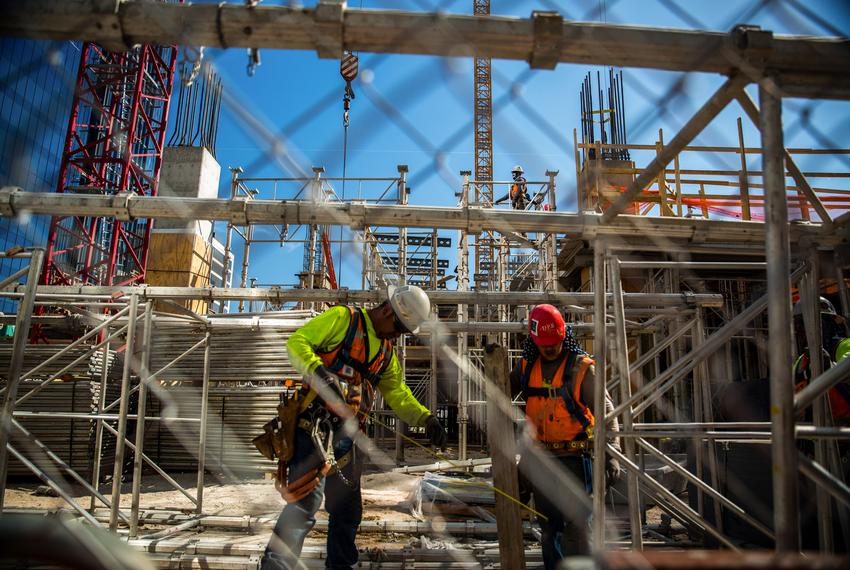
[[550, 352]]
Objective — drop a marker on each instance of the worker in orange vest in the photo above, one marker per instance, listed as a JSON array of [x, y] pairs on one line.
[[556, 377], [836, 347], [518, 192]]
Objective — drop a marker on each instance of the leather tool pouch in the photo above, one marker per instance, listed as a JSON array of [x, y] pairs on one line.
[[277, 442]]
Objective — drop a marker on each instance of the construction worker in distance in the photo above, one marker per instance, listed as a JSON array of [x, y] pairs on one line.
[[836, 347], [518, 192], [344, 354], [556, 377]]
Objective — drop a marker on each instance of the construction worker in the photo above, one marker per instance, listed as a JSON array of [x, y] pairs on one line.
[[344, 354], [556, 377], [518, 192], [836, 347]]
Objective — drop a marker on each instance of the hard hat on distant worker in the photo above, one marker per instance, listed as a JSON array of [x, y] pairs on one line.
[[517, 169], [825, 307], [546, 325], [411, 306]]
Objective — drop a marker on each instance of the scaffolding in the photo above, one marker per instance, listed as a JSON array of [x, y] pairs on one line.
[[654, 343]]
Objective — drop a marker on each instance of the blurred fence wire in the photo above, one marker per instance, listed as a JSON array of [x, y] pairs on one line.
[[522, 121]]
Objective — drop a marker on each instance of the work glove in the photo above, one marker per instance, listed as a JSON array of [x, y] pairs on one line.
[[435, 432], [612, 471]]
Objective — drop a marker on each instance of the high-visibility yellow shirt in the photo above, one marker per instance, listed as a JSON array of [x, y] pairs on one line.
[[326, 331]]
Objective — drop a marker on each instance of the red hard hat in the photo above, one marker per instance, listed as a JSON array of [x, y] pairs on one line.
[[546, 325]]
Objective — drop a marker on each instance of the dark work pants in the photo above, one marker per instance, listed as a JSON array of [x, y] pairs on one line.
[[562, 535], [343, 503]]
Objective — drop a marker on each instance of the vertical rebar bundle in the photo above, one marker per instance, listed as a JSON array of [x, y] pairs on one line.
[[611, 116], [198, 111]]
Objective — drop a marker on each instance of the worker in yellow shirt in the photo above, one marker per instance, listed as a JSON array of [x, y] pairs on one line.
[[344, 354]]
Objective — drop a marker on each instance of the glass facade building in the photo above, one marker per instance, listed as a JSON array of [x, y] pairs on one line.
[[37, 81]]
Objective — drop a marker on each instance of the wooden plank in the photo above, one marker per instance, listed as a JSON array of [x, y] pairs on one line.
[[500, 435], [715, 104], [815, 66]]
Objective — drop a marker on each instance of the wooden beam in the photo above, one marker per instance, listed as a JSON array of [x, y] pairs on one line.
[[502, 440], [817, 67], [752, 111], [716, 103]]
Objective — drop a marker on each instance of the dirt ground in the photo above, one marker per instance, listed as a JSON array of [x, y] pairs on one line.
[[385, 497]]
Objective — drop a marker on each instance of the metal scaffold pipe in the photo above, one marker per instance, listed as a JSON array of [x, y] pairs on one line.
[[474, 220], [777, 244], [441, 297]]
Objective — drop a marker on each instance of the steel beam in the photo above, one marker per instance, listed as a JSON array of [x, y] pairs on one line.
[[820, 385], [632, 300], [825, 480], [16, 364], [600, 379], [657, 487], [144, 379], [777, 245], [202, 438], [168, 478], [621, 362], [661, 383], [64, 466], [52, 484], [473, 220], [118, 468], [705, 487]]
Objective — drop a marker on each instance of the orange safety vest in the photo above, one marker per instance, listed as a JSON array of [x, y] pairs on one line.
[[350, 361], [556, 410]]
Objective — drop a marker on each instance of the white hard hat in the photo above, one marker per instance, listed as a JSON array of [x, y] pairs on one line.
[[517, 168], [411, 305], [825, 305]]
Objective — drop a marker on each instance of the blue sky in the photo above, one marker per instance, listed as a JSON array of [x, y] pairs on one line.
[[417, 110]]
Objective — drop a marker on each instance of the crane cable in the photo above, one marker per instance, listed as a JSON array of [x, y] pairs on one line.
[[348, 66]]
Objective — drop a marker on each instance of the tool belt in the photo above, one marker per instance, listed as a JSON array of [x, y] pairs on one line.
[[575, 446], [277, 442]]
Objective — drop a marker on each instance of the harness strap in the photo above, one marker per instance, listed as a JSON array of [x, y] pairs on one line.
[[342, 462], [564, 392], [343, 356]]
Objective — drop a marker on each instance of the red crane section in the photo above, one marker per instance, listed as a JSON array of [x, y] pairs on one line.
[[114, 145]]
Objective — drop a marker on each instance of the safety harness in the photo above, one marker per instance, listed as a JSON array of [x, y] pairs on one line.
[[343, 356], [343, 363], [565, 391]]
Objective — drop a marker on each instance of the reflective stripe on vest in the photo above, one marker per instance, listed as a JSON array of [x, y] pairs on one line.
[[350, 362], [556, 410]]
